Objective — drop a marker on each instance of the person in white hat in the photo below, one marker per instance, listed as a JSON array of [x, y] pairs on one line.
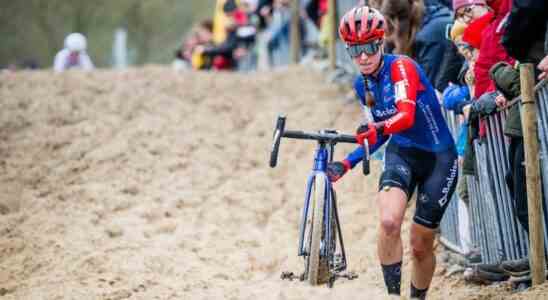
[[73, 55]]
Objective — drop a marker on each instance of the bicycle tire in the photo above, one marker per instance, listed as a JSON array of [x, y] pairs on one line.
[[314, 262], [275, 148]]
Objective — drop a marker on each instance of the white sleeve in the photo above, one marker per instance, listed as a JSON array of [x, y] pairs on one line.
[[59, 61], [85, 62]]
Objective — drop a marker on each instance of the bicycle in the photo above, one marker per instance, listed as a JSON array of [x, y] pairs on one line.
[[323, 261]]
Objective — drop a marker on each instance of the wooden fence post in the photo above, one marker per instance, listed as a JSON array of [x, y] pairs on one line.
[[295, 32], [532, 171], [332, 39]]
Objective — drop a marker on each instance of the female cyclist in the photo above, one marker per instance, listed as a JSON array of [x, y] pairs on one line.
[[420, 152]]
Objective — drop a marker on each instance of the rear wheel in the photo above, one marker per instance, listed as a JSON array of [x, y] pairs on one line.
[[317, 269]]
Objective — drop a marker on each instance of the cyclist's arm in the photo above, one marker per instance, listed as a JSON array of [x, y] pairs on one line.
[[356, 156], [406, 84]]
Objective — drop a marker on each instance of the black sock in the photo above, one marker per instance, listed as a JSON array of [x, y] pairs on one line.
[[418, 293], [392, 277]]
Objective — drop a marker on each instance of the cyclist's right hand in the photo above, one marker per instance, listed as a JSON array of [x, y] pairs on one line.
[[366, 132], [335, 170]]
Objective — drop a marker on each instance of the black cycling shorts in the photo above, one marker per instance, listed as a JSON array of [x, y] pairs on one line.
[[435, 175]]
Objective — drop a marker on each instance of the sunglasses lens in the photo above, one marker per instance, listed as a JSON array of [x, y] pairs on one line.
[[368, 49]]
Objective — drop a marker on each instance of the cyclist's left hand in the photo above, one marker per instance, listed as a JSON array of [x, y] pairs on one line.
[[366, 132], [335, 170]]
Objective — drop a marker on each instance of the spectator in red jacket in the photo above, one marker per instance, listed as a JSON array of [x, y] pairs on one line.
[[491, 50]]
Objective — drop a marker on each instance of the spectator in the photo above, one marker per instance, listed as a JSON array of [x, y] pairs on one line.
[[450, 67], [278, 33], [486, 32], [525, 30], [186, 57], [316, 10], [74, 55], [418, 28], [264, 12], [225, 55]]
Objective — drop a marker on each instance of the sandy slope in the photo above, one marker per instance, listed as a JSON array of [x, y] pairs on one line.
[[147, 184]]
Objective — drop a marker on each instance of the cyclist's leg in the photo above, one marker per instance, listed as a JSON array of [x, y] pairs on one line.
[[392, 204], [424, 261], [395, 187], [433, 197]]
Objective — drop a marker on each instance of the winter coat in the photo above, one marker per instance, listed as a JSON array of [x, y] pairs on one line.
[[507, 82], [430, 42], [491, 49], [524, 35], [451, 65]]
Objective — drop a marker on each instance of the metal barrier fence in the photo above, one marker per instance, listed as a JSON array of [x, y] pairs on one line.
[[494, 227]]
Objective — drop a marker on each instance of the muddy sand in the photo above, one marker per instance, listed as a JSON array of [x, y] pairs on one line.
[[147, 184]]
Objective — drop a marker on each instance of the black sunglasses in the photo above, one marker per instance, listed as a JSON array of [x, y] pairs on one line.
[[369, 49]]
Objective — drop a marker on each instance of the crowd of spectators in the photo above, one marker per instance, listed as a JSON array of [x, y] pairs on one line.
[[247, 34], [470, 50]]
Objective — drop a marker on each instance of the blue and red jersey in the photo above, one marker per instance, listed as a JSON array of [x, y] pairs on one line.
[[406, 102]]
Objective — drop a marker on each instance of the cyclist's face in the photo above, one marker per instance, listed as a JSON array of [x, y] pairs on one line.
[[368, 63]]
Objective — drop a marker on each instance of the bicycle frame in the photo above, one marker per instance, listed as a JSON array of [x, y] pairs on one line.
[[327, 243], [323, 155]]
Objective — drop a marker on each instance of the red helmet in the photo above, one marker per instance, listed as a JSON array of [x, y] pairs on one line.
[[361, 24]]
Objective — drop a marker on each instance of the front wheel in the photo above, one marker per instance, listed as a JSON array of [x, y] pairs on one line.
[[317, 267]]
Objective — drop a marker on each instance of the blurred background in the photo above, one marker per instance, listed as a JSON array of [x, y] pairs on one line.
[[33, 31]]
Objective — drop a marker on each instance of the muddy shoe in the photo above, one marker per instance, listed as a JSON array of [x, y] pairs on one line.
[[516, 268]]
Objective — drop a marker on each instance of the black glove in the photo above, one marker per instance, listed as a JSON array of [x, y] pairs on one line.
[[336, 170]]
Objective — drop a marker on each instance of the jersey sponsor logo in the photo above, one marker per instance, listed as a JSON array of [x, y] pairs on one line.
[[430, 121], [403, 73], [385, 113], [448, 183], [400, 90]]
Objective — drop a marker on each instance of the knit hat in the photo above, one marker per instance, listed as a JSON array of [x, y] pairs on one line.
[[460, 3]]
